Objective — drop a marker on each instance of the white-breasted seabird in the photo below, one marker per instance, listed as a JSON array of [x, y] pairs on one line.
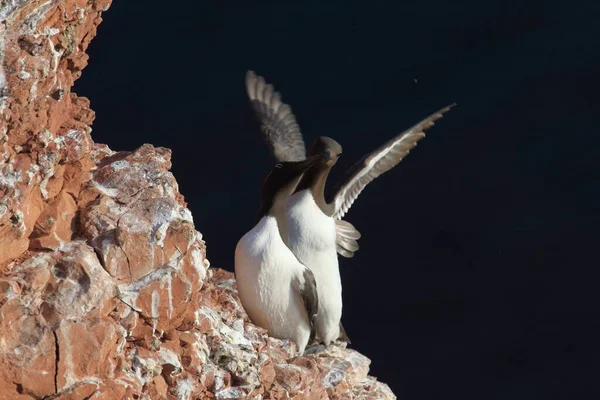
[[277, 291], [282, 134], [314, 224], [284, 138]]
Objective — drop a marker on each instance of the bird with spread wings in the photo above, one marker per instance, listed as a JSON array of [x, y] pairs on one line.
[[284, 138]]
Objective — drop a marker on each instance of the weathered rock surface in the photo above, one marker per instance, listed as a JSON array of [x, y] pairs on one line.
[[105, 289]]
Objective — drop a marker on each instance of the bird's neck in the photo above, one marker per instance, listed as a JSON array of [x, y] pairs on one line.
[[273, 205], [314, 180]]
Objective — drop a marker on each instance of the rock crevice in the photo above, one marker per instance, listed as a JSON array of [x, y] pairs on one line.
[[105, 288], [56, 360]]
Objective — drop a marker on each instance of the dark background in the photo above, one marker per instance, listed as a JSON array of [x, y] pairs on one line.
[[475, 275]]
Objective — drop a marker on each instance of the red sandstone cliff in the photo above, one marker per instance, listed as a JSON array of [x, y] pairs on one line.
[[105, 291]]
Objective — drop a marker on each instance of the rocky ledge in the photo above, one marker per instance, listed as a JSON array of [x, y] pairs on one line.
[[105, 289]]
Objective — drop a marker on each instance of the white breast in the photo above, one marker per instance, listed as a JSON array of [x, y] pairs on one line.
[[308, 226], [265, 269], [311, 237]]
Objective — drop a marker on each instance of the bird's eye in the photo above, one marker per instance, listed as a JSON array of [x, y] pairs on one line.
[[278, 165]]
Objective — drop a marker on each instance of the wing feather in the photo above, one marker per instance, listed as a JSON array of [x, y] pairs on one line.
[[277, 122], [343, 252], [378, 162], [346, 238]]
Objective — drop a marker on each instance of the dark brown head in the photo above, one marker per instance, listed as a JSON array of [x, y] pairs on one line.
[[327, 145], [281, 181]]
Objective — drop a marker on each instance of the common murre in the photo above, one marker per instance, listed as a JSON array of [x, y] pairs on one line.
[[314, 225], [282, 134], [286, 143], [277, 291]]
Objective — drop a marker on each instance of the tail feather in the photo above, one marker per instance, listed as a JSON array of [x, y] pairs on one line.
[[343, 336]]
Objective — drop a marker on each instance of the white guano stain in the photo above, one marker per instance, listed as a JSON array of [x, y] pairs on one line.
[[155, 305], [185, 388]]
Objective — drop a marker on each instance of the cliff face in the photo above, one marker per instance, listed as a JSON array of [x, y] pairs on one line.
[[105, 289]]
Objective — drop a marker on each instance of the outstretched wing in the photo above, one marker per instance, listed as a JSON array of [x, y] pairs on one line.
[[277, 122], [381, 160]]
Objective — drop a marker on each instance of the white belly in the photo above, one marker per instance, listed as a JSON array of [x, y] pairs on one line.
[[265, 269], [311, 237]]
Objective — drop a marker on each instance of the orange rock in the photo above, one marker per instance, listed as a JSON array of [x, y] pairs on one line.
[[55, 183], [157, 388], [14, 235], [28, 351], [105, 290], [54, 225], [78, 391], [85, 350]]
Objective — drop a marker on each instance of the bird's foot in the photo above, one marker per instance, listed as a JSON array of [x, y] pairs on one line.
[[340, 343], [313, 349]]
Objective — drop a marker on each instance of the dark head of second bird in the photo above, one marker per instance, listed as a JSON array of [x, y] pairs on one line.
[[327, 145], [316, 177], [282, 180]]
